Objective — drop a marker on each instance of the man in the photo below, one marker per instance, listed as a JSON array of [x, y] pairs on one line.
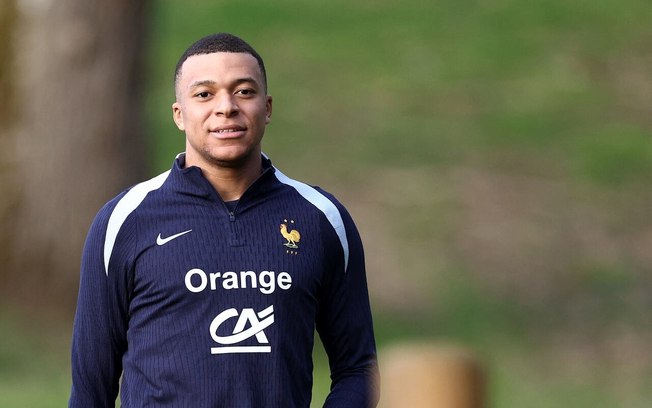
[[202, 287]]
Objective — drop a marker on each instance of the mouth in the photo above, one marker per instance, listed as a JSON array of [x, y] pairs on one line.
[[228, 132]]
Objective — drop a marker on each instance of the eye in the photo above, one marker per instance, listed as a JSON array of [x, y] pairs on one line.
[[203, 94], [245, 92]]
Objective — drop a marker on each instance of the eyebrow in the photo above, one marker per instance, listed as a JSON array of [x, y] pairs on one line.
[[210, 82], [203, 82]]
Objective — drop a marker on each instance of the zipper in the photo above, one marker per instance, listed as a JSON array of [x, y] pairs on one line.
[[234, 237]]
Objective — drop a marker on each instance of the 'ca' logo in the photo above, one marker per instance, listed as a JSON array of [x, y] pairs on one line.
[[240, 334]]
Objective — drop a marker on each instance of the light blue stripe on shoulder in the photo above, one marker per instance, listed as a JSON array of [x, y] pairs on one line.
[[324, 205], [127, 204]]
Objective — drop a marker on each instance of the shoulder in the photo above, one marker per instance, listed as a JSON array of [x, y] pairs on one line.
[[113, 216], [130, 199], [317, 197], [121, 206]]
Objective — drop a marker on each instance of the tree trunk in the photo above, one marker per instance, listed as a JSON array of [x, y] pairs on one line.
[[71, 134]]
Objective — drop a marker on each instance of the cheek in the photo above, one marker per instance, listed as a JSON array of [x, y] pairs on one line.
[[263, 116], [194, 118]]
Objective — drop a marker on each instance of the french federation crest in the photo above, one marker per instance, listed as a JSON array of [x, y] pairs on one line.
[[291, 235]]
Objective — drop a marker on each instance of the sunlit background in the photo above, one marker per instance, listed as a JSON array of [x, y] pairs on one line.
[[496, 156]]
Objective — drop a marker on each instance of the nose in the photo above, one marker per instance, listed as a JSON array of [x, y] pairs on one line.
[[225, 105]]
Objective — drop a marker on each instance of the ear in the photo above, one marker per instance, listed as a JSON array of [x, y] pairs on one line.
[[268, 109], [178, 116]]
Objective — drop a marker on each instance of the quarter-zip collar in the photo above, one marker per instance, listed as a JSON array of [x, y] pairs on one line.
[[191, 181]]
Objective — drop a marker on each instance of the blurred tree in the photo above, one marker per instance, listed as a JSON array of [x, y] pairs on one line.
[[71, 134]]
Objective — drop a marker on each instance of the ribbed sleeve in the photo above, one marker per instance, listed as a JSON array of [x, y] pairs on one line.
[[99, 331], [345, 326]]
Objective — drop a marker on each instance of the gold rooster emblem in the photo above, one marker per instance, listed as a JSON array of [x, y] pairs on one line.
[[291, 236]]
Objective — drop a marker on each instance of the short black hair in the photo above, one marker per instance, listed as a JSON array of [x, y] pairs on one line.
[[219, 42]]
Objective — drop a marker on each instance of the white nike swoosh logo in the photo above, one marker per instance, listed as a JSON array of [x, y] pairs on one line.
[[163, 241]]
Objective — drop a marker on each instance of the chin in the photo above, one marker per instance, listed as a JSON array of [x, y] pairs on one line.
[[233, 159]]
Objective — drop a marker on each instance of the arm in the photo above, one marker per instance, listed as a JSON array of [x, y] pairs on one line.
[[345, 326], [99, 332]]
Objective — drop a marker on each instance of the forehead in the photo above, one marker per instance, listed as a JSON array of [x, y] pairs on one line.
[[220, 67]]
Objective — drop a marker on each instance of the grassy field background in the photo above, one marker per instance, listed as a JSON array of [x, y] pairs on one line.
[[495, 155]]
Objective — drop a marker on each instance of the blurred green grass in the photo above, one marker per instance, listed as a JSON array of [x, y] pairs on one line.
[[34, 362], [555, 90]]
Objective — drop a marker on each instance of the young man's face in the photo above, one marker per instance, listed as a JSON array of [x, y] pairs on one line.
[[223, 108]]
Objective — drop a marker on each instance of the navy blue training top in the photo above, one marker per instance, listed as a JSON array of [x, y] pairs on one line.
[[195, 304]]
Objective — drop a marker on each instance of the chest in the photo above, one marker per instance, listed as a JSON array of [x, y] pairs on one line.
[[207, 257]]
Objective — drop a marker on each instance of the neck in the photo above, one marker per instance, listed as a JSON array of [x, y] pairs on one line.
[[229, 182]]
